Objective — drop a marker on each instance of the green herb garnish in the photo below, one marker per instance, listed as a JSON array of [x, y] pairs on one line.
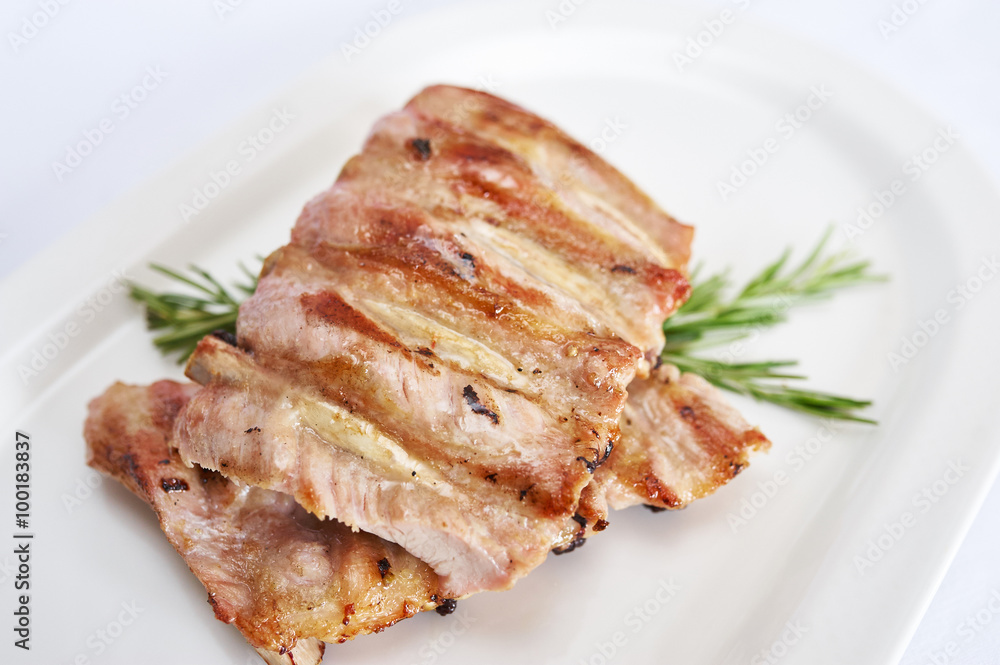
[[710, 319], [188, 318]]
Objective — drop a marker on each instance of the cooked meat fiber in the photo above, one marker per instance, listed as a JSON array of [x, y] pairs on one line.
[[383, 482], [287, 580], [441, 355], [680, 441], [440, 359]]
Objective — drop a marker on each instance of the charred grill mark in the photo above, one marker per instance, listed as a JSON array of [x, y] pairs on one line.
[[424, 351], [429, 272], [726, 447], [601, 459], [472, 399], [577, 542], [446, 607], [523, 493], [132, 468], [468, 259], [479, 151], [651, 488], [538, 214], [492, 477], [253, 430], [421, 149], [226, 336], [578, 539], [173, 485], [383, 566], [332, 309]]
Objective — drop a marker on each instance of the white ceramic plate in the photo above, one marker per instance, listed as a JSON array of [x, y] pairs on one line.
[[792, 581]]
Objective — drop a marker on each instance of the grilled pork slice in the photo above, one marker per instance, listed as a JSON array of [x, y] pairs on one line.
[[287, 580], [680, 441], [441, 355], [482, 502]]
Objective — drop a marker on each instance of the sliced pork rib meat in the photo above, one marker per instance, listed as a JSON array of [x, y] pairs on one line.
[[290, 582], [441, 355], [680, 441], [445, 375], [286, 579], [274, 427]]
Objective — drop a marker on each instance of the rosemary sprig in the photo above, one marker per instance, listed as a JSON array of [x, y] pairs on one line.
[[188, 318], [758, 380], [711, 319]]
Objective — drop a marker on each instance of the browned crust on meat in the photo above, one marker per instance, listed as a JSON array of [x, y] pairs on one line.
[[285, 579], [571, 162], [680, 442], [456, 268], [330, 308]]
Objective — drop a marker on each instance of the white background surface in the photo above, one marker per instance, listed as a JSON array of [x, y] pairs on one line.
[[218, 64]]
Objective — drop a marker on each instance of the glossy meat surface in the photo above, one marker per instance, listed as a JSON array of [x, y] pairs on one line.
[[680, 441], [287, 580], [441, 355]]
